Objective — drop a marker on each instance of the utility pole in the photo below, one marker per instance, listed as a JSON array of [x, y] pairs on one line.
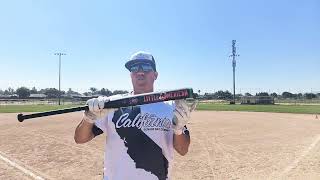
[[234, 54], [59, 54]]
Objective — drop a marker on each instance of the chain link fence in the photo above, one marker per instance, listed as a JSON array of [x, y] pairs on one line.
[[41, 102]]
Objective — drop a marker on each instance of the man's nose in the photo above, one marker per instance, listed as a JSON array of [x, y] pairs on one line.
[[140, 71]]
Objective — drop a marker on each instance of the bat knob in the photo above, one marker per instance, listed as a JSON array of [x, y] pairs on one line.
[[20, 117]]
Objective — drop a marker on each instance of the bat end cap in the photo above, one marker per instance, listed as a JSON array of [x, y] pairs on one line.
[[20, 117]]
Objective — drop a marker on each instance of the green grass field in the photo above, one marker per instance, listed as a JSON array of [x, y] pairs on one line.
[[31, 108], [300, 109]]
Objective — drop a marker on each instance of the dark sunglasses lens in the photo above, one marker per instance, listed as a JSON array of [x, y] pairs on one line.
[[146, 67], [143, 67], [134, 68]]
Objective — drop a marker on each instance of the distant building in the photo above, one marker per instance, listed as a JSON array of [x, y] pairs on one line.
[[257, 100], [71, 95], [37, 96], [12, 96]]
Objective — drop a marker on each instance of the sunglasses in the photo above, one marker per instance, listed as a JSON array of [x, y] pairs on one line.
[[144, 67]]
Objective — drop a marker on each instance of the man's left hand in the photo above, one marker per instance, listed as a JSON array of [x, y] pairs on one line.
[[181, 115]]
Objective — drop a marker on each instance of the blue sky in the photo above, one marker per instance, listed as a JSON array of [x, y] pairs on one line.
[[278, 43]]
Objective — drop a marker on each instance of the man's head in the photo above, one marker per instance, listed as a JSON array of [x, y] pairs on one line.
[[143, 72]]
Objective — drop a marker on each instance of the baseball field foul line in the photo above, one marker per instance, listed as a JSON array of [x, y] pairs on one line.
[[17, 166], [304, 153]]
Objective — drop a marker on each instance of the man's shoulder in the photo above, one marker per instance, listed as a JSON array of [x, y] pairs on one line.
[[165, 105], [170, 103], [119, 96]]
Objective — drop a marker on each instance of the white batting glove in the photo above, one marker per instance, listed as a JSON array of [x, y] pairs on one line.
[[181, 115], [96, 109]]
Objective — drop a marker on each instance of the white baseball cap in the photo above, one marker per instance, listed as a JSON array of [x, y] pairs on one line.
[[141, 57]]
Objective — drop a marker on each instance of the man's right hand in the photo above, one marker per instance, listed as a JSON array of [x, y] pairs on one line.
[[96, 109]]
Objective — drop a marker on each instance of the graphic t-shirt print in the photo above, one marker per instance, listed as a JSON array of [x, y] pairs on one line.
[[130, 125]]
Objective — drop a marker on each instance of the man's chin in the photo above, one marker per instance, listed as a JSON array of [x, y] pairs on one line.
[[141, 83]]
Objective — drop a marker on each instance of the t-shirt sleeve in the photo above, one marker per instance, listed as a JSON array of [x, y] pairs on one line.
[[101, 124], [96, 131]]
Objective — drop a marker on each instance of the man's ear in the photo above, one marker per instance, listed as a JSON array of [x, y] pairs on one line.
[[155, 75]]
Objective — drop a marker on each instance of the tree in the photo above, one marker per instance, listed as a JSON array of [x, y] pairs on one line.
[[1, 92], [195, 95], [23, 92], [86, 93], [310, 95], [248, 94], [294, 96], [262, 94], [287, 95], [228, 95], [41, 91], [70, 92], [105, 92], [93, 90], [11, 90], [8, 91], [209, 96], [238, 96], [274, 95], [219, 94], [51, 92], [119, 92], [33, 91], [223, 95]]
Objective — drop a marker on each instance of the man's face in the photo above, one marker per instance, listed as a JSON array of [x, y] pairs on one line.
[[143, 77]]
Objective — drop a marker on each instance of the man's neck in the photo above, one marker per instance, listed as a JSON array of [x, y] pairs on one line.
[[140, 91]]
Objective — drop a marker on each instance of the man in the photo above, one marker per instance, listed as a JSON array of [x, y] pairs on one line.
[[140, 139]]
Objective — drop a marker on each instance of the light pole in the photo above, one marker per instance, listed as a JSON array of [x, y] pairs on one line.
[[59, 54], [234, 54]]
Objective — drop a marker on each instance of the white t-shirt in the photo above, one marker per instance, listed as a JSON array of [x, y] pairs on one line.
[[139, 143]]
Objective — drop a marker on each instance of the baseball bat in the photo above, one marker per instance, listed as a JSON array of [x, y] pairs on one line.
[[134, 100]]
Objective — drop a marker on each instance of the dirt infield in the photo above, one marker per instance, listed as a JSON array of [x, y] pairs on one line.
[[225, 145]]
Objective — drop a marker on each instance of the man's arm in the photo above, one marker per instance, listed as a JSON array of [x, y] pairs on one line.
[[181, 137], [181, 143], [87, 130], [83, 132]]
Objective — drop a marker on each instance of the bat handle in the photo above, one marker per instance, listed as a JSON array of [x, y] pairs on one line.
[[22, 117]]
